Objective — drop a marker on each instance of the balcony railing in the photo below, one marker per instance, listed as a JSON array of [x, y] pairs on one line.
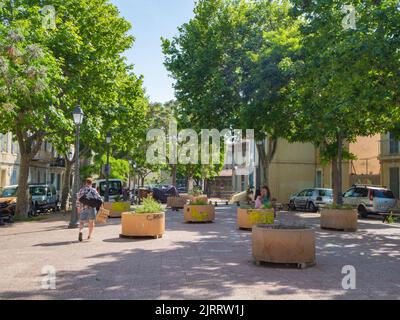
[[389, 148]]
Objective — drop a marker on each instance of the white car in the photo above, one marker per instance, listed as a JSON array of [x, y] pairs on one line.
[[311, 199], [115, 188], [370, 200]]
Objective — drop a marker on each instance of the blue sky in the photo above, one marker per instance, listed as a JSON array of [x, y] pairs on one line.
[[152, 19]]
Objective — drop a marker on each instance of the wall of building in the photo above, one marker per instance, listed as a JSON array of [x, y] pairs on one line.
[[292, 169], [366, 150], [389, 160]]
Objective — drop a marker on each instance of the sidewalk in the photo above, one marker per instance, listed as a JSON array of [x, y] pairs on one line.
[[204, 261]]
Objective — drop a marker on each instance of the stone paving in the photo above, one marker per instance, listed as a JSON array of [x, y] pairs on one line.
[[193, 261]]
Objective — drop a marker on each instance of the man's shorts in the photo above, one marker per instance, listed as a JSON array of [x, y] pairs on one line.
[[88, 214]]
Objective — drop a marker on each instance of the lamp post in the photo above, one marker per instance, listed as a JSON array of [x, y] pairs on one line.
[[78, 119], [134, 181], [107, 193]]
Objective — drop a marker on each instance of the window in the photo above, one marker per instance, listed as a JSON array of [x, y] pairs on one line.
[[2, 138], [302, 193], [349, 193], [58, 181], [115, 187], [393, 144], [360, 193], [14, 146], [383, 194], [5, 143], [325, 193], [310, 193], [38, 191], [318, 179], [9, 192], [394, 181], [13, 179]]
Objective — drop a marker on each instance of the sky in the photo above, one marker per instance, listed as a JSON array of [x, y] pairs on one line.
[[151, 20]]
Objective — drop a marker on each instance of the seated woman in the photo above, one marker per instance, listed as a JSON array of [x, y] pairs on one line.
[[263, 197]]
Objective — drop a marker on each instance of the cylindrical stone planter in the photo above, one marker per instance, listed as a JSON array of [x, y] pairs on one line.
[[199, 213], [116, 208], [339, 219], [247, 218], [142, 225], [283, 245]]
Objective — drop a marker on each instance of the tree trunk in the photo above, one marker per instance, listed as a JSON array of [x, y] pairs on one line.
[[340, 169], [266, 158], [66, 184], [22, 207], [29, 146], [173, 167], [337, 172]]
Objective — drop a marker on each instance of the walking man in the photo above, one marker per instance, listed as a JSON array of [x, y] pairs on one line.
[[88, 201]]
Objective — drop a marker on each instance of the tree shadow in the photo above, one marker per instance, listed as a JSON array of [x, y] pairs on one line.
[[214, 261]]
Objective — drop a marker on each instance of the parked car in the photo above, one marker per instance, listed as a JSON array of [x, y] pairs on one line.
[[44, 197], [115, 188], [8, 202], [369, 200], [311, 199]]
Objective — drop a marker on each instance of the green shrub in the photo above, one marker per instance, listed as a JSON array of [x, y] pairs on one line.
[[198, 202], [149, 206], [339, 207], [267, 206], [392, 219], [196, 192], [246, 206]]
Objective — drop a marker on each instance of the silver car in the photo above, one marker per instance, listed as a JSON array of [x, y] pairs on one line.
[[370, 200], [311, 199], [44, 197]]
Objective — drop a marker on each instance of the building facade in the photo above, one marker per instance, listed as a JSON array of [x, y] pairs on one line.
[[46, 168], [389, 157], [297, 166]]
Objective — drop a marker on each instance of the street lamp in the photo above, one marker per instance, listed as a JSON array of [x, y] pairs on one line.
[[107, 193], [134, 165], [78, 119]]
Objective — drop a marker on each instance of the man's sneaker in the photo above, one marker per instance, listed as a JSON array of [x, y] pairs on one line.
[[80, 237]]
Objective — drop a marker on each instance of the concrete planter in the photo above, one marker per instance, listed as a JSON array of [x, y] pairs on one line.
[[186, 197], [202, 198], [336, 219], [199, 213], [176, 202], [283, 244], [142, 225], [247, 218], [116, 208]]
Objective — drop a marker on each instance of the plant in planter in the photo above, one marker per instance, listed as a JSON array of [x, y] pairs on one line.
[[284, 244], [148, 220], [199, 211], [197, 194], [117, 207], [339, 217], [247, 216]]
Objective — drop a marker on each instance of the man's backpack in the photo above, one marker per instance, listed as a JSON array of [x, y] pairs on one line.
[[91, 198]]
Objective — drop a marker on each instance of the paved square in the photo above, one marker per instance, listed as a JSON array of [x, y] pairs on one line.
[[193, 261]]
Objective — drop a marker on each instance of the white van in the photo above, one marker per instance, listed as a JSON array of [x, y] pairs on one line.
[[115, 188]]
